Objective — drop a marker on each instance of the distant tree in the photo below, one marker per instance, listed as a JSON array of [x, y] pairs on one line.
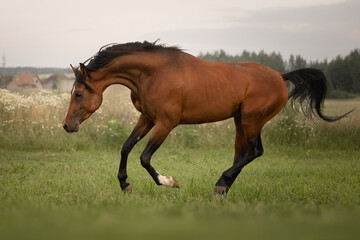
[[353, 61], [4, 80], [245, 55], [296, 62], [274, 60], [339, 74]]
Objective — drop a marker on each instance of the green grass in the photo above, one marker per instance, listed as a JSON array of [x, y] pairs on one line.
[[55, 185], [288, 193]]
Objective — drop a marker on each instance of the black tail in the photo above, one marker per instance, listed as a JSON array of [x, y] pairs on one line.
[[310, 91]]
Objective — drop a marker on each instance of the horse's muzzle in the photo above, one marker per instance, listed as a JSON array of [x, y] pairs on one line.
[[70, 129]]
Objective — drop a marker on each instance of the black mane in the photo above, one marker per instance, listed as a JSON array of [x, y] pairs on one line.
[[109, 52]]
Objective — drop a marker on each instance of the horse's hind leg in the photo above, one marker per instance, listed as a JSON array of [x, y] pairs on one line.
[[158, 136], [248, 146]]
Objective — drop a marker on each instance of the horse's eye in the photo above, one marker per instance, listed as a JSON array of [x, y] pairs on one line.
[[78, 94]]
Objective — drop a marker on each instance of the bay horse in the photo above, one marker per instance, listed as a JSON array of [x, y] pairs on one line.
[[170, 87]]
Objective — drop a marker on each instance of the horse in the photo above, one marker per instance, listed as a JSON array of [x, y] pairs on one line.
[[170, 87]]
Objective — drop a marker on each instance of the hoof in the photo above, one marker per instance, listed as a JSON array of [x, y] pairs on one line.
[[168, 181], [221, 190], [175, 184], [128, 189]]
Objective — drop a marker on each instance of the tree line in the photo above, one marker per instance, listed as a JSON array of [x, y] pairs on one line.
[[343, 73]]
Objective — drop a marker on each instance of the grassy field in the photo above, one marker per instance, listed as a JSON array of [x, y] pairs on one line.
[[59, 186]]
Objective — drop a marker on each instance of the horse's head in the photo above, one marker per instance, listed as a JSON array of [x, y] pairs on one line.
[[84, 101]]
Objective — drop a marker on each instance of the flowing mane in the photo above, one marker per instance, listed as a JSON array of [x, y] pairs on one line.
[[109, 52]]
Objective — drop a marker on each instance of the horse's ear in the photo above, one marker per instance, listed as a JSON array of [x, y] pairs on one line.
[[74, 69], [83, 71]]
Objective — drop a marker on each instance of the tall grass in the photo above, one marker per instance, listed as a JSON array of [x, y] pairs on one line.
[[31, 120]]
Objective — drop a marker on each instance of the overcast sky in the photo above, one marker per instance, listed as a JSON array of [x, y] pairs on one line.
[[45, 33]]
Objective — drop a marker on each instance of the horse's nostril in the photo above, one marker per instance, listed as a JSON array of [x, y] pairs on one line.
[[65, 126]]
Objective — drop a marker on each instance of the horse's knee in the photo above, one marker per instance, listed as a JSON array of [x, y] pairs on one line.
[[125, 150], [145, 161]]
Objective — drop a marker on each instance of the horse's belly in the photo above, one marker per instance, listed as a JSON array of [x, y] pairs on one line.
[[207, 114]]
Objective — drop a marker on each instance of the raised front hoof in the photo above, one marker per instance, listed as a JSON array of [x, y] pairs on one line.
[[128, 189], [168, 181], [221, 190], [175, 184]]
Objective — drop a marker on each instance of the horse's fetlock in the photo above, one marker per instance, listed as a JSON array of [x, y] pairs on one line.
[[122, 177]]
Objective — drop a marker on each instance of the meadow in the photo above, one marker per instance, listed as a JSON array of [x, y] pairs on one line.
[[64, 186]]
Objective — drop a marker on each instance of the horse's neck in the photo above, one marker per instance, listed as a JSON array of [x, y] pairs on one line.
[[132, 69], [128, 71]]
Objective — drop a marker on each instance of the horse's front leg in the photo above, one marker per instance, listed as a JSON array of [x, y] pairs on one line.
[[158, 136], [142, 127]]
